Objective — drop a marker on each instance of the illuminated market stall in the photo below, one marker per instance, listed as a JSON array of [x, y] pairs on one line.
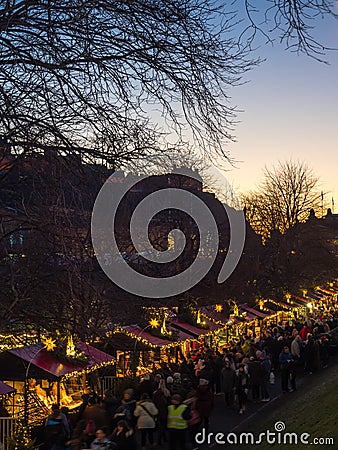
[[42, 378]]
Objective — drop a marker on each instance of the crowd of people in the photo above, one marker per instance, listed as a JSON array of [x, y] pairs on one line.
[[176, 401]]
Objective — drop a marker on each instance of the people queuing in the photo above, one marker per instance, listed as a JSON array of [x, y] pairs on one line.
[[173, 403]]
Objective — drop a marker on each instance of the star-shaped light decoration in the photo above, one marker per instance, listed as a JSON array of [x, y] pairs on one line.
[[48, 343], [154, 323], [218, 308]]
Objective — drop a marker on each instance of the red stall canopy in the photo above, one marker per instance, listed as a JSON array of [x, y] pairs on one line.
[[47, 361]]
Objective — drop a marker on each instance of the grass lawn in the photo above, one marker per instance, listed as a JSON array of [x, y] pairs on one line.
[[313, 409]]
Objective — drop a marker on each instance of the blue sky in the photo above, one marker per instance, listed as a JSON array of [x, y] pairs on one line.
[[290, 111]]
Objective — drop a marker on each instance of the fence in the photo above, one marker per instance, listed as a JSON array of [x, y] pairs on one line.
[[7, 426], [109, 384]]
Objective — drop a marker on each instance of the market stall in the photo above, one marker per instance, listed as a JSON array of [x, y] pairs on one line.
[[138, 351], [42, 378]]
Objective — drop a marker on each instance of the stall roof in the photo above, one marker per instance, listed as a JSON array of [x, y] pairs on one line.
[[300, 299], [328, 292], [192, 330], [46, 361], [214, 315], [250, 316], [6, 389], [143, 334], [253, 311]]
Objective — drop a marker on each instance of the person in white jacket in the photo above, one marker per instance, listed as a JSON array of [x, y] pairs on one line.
[[146, 413]]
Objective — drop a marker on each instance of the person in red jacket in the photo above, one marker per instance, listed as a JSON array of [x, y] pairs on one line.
[[304, 332], [204, 402]]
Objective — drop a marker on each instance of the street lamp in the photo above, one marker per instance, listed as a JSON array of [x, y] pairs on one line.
[[153, 323]]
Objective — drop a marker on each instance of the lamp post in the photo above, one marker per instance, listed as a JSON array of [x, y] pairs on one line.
[[49, 345], [151, 324], [26, 388]]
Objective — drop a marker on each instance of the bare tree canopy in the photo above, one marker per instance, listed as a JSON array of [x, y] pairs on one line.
[[289, 21], [78, 75], [284, 198]]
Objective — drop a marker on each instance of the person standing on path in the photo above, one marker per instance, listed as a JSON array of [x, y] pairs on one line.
[[178, 416]]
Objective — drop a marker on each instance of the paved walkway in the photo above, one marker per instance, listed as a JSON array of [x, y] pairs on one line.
[[226, 419]]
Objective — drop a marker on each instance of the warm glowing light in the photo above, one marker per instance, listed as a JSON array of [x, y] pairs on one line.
[[163, 327], [70, 350], [218, 308], [309, 305], [154, 323], [49, 344], [198, 320], [304, 292]]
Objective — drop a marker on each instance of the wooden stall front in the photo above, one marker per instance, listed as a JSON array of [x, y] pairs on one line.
[[40, 379]]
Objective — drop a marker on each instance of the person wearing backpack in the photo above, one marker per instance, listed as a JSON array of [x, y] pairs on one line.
[[57, 432], [146, 413]]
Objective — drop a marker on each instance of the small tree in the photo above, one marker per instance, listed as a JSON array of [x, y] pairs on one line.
[[21, 439]]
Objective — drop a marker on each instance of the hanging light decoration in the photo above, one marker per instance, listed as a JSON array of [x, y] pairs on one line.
[[70, 349], [154, 323], [198, 320], [48, 343], [163, 327]]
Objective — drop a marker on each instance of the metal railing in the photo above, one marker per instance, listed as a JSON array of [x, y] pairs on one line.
[[7, 427]]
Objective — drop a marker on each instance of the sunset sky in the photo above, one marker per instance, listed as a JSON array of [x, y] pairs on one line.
[[290, 111]]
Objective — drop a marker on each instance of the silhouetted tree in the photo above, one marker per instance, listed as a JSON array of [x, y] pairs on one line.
[[284, 198]]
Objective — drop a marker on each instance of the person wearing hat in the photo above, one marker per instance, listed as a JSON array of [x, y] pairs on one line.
[[177, 423], [125, 410]]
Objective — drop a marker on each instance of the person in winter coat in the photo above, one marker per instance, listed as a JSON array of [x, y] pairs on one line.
[[303, 333], [195, 421], [161, 399], [312, 354], [204, 402], [286, 361], [146, 386], [122, 437], [178, 416], [228, 376], [146, 413], [242, 385], [255, 373], [126, 409], [101, 442], [296, 347], [94, 412], [265, 365], [57, 431]]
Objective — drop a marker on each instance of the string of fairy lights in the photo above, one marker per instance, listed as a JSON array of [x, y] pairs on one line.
[[160, 323], [160, 319]]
